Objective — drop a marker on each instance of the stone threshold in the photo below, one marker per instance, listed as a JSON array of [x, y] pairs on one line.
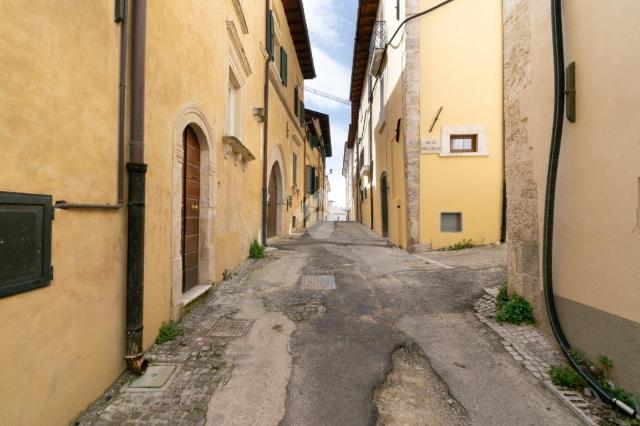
[[194, 294]]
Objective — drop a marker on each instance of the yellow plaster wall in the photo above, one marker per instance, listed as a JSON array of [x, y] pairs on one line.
[[461, 70], [188, 62], [62, 345]]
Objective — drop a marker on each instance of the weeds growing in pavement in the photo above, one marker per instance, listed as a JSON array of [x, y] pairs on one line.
[[169, 331], [568, 377], [516, 310], [503, 296], [461, 245], [256, 250]]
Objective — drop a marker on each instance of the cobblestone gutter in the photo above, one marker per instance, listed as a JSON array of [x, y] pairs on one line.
[[530, 347]]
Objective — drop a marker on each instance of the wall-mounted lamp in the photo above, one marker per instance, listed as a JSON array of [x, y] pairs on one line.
[[258, 114]]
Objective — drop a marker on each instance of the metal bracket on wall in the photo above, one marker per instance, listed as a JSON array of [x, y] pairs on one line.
[[570, 92], [435, 120]]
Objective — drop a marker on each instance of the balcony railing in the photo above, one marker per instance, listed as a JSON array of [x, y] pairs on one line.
[[378, 42]]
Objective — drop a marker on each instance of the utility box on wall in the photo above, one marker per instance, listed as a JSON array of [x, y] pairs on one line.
[[25, 242]]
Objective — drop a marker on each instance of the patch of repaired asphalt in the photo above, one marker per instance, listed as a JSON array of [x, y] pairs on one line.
[[414, 395]]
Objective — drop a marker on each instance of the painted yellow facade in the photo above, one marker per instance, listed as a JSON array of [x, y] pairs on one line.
[[448, 64], [461, 71], [63, 345]]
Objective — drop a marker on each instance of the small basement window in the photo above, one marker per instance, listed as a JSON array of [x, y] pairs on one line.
[[451, 222], [464, 143]]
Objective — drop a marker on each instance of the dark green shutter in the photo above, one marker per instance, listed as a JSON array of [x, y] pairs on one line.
[[283, 66], [295, 170], [296, 106], [271, 35], [310, 179]]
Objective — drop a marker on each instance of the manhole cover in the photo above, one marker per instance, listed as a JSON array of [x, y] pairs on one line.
[[230, 328], [156, 376], [223, 301], [318, 282]]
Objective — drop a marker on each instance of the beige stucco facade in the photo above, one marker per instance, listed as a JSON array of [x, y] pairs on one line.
[[426, 73], [596, 239], [63, 344]]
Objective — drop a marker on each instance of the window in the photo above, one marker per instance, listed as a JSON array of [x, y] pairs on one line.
[[270, 41], [382, 106], [232, 125], [451, 222], [302, 114], [295, 169], [310, 180], [283, 66], [464, 143], [296, 100]]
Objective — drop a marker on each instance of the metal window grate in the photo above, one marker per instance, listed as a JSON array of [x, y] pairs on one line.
[[451, 222]]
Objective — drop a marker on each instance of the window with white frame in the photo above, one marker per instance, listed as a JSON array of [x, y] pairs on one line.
[[464, 141], [382, 103], [233, 125]]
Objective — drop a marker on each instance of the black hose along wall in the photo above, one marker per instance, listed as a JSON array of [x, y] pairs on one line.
[[554, 155]]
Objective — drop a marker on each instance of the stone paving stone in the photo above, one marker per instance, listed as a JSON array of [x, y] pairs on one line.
[[203, 367], [536, 353]]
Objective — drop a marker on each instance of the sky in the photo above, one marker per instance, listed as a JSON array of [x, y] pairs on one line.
[[332, 25]]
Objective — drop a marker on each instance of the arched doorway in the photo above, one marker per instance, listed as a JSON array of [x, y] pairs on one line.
[[190, 210], [384, 205], [274, 205]]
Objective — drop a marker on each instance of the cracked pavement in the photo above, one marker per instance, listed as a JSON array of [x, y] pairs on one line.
[[396, 343]]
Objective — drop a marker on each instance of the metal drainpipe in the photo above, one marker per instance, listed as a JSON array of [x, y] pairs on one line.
[[304, 179], [265, 129], [64, 205], [371, 173], [358, 201], [136, 206]]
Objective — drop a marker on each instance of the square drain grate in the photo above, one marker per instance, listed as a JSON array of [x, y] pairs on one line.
[[223, 301], [318, 282], [230, 328]]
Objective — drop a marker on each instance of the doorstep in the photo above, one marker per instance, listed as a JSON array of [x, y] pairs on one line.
[[194, 294]]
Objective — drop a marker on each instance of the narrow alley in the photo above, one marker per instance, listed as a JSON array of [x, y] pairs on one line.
[[395, 342], [319, 212]]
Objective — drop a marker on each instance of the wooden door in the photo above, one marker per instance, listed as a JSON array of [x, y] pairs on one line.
[[272, 206], [384, 205], [190, 210]]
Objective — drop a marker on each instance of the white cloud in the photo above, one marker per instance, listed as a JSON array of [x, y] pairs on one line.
[[323, 21], [333, 78]]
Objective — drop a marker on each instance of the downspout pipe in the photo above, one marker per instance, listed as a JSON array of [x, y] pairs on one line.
[[371, 171], [136, 206], [64, 205], [552, 172], [265, 128]]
